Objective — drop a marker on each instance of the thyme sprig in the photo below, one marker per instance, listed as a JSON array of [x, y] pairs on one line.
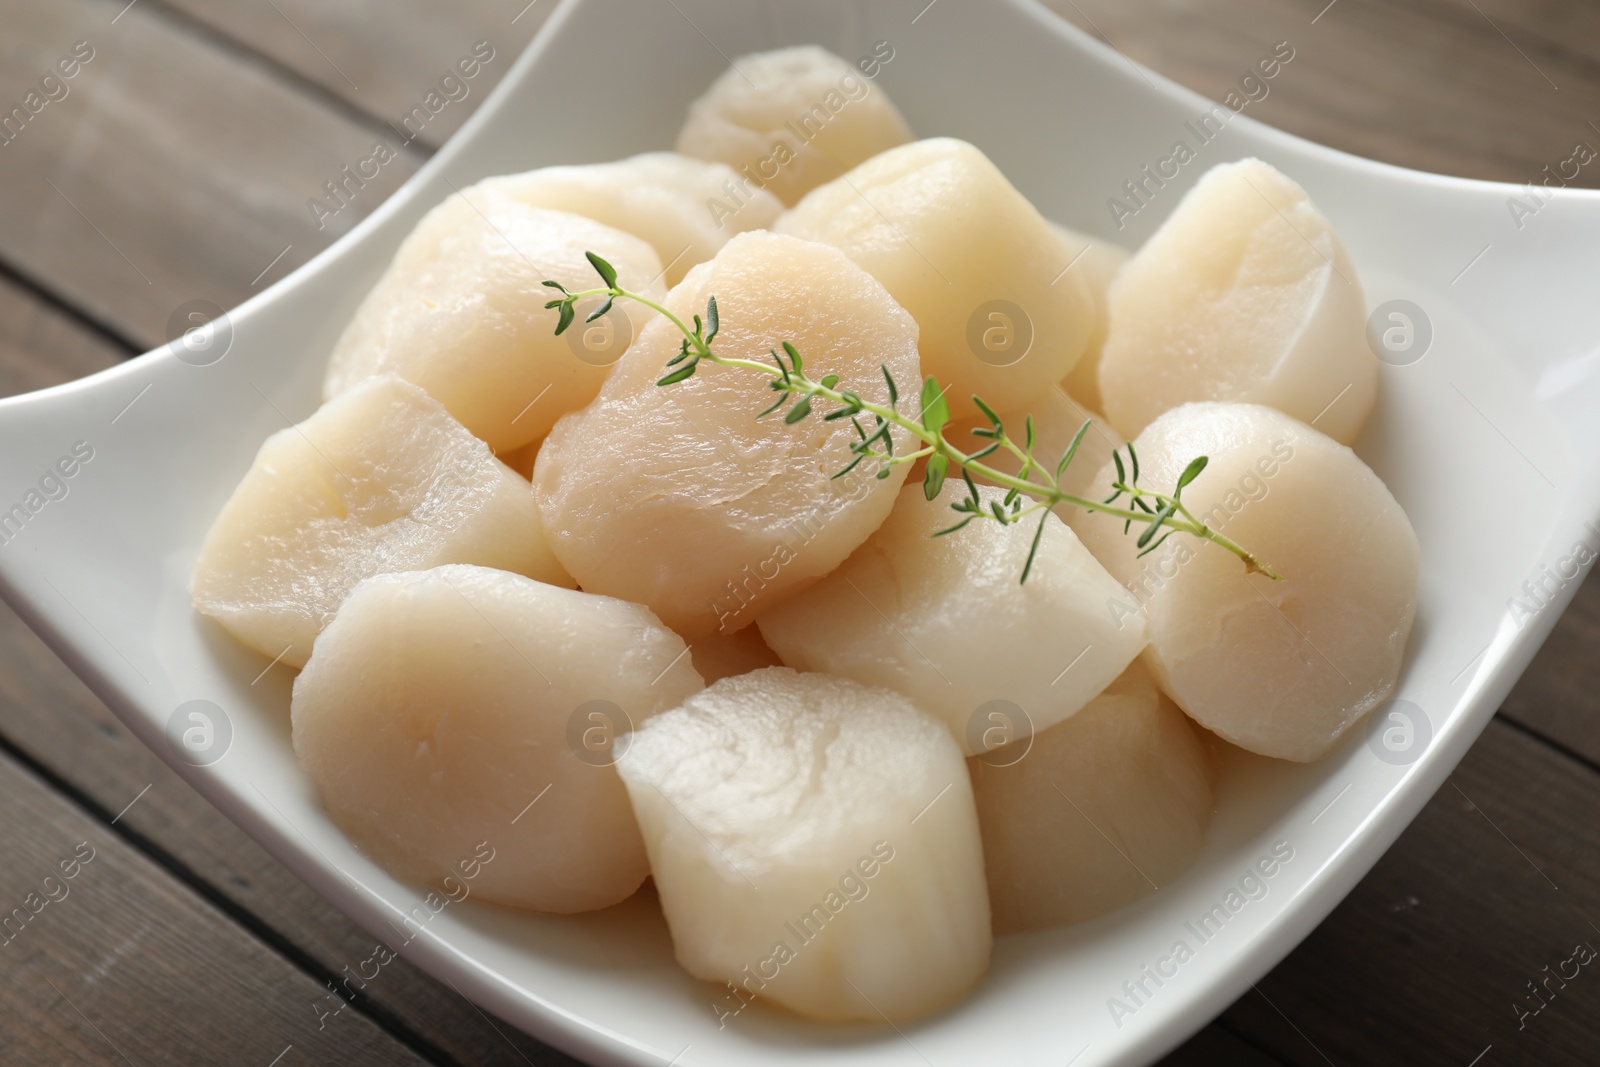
[[1035, 488]]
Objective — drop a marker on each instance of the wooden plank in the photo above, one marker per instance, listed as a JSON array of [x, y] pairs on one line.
[[1429, 959], [383, 57], [1558, 696], [42, 345], [48, 714], [109, 961], [1422, 83], [170, 171], [1218, 1047]]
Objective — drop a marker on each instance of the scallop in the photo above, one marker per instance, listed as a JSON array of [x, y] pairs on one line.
[[1098, 261], [686, 208], [380, 479], [981, 271], [521, 459], [676, 496], [725, 655], [815, 844], [1057, 418], [947, 621], [1094, 812], [461, 313], [1245, 294], [789, 120], [452, 712], [1282, 668]]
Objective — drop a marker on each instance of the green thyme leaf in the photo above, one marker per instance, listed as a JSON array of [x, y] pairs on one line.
[[685, 371], [933, 476], [1072, 449], [1033, 549], [1161, 516], [1190, 473], [607, 272], [1157, 544], [935, 411], [987, 411], [953, 529], [849, 466]]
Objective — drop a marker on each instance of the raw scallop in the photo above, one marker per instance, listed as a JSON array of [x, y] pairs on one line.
[[461, 313], [789, 120], [521, 459], [814, 843], [1282, 668], [725, 655], [946, 621], [1094, 812], [1247, 294], [447, 708], [380, 479], [676, 496], [1098, 261], [678, 204], [1057, 417], [981, 271]]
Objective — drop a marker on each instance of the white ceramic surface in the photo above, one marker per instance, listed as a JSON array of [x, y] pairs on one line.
[[1502, 406]]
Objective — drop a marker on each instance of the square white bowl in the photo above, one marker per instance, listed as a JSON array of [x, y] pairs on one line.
[[1490, 440]]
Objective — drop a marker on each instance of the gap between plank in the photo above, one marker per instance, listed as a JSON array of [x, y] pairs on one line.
[[1547, 741], [380, 1016], [302, 83], [40, 291]]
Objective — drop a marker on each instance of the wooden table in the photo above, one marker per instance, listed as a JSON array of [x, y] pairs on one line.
[[178, 166]]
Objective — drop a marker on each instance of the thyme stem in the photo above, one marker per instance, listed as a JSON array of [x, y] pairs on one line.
[[1153, 511]]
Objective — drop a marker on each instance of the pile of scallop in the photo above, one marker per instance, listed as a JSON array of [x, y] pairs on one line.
[[620, 631]]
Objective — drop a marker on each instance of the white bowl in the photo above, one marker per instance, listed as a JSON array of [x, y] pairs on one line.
[[1490, 441]]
